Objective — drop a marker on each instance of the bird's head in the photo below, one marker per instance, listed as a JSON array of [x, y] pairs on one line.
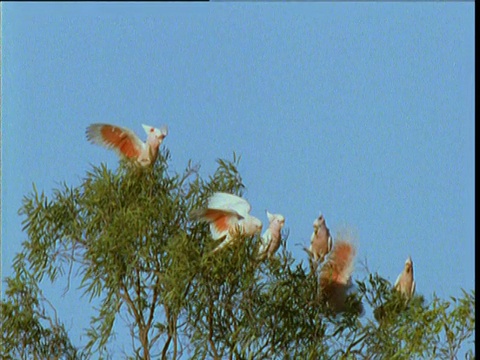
[[319, 221], [276, 219], [258, 225], [157, 135], [408, 264]]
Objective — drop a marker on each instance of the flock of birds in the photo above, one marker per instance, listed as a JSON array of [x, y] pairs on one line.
[[229, 218]]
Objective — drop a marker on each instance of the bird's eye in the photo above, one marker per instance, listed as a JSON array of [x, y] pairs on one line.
[[151, 129]]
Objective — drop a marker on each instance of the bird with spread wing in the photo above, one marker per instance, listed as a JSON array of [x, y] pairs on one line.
[[228, 216], [126, 143]]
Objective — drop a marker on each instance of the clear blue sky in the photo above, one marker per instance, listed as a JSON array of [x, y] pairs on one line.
[[364, 111]]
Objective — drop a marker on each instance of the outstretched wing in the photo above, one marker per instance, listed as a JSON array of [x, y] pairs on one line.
[[223, 212], [122, 140], [339, 266], [229, 203], [220, 222]]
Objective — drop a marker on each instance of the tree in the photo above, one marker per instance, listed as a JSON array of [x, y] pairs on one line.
[[129, 235]]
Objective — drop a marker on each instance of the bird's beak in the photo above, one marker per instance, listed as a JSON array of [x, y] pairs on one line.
[[164, 130]]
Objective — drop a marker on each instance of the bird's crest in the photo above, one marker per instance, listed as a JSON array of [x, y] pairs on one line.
[[270, 216], [163, 131]]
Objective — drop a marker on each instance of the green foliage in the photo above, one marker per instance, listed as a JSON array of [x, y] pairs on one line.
[[405, 329], [129, 236], [28, 329]]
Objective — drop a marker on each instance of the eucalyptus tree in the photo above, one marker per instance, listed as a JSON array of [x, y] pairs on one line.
[[127, 235]]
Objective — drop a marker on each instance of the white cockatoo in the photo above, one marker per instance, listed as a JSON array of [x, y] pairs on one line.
[[229, 216], [405, 282], [126, 143], [272, 237], [320, 241], [335, 275]]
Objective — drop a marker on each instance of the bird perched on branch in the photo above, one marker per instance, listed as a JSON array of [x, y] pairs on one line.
[[405, 286], [335, 276], [320, 241], [405, 283], [272, 237], [229, 216], [126, 144]]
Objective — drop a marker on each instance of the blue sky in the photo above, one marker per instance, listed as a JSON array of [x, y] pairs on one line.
[[363, 111]]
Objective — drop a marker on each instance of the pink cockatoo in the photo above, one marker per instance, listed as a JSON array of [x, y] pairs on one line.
[[229, 217], [335, 275], [405, 283], [320, 241], [272, 237], [126, 143]]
